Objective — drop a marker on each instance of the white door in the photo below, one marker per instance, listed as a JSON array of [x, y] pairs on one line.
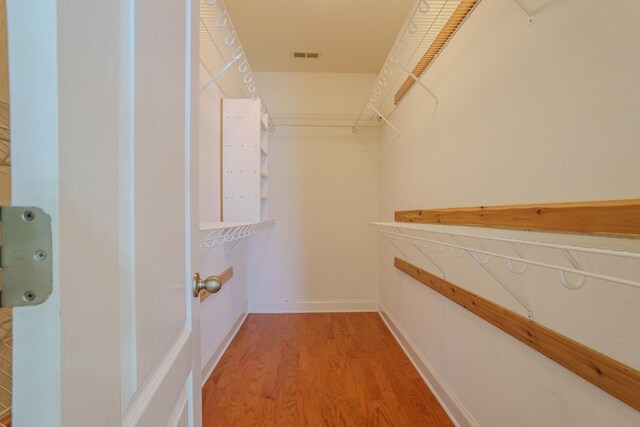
[[103, 99]]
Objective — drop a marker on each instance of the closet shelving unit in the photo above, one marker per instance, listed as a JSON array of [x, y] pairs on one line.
[[245, 148], [573, 257], [223, 56], [425, 27]]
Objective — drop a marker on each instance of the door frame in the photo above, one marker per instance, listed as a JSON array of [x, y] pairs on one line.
[[34, 174]]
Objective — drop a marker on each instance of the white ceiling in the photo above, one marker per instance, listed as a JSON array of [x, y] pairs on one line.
[[352, 36]]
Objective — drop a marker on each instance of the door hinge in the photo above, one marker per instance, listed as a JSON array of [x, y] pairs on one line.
[[25, 256]]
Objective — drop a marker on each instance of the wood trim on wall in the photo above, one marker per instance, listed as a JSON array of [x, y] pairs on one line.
[[457, 18], [616, 378], [612, 217]]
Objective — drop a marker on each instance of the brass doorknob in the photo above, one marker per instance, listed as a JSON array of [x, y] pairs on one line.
[[211, 284]]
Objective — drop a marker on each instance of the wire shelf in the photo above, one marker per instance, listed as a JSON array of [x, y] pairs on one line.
[[421, 27], [217, 234], [575, 262], [222, 54]]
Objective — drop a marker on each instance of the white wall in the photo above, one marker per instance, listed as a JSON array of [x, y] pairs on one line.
[[220, 313], [528, 113], [323, 189], [320, 256]]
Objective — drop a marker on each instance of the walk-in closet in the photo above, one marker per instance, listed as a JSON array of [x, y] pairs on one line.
[[464, 168], [320, 213]]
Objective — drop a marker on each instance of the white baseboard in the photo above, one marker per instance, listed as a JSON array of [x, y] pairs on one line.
[[312, 306], [214, 357], [458, 414]]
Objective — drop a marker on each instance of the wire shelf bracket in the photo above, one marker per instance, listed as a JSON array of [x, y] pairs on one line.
[[526, 9], [395, 129], [400, 251], [435, 264], [484, 263], [417, 80], [220, 73]]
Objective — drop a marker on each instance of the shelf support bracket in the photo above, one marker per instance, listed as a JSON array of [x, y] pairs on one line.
[[435, 264], [417, 80], [423, 253], [219, 73], [521, 299], [526, 9], [395, 129], [234, 244], [404, 255]]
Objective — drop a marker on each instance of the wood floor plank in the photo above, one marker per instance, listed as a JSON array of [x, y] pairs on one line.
[[317, 369]]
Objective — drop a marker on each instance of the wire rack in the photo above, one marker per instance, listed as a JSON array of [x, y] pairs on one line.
[[215, 235], [223, 56], [574, 263], [421, 27]]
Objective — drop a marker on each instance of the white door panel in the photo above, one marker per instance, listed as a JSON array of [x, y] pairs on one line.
[[103, 108], [159, 179]]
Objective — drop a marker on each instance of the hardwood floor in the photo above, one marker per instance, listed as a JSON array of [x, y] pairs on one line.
[[317, 369]]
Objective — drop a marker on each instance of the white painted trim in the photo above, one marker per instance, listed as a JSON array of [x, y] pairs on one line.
[[35, 145], [216, 354], [126, 208], [148, 391], [449, 402], [312, 306], [182, 404]]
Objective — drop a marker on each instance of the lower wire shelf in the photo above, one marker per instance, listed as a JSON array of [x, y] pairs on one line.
[[215, 234], [461, 240]]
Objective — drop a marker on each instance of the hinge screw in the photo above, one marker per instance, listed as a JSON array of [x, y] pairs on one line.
[[29, 296], [28, 216], [40, 255]]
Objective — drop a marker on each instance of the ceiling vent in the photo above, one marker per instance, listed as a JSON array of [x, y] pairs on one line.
[[310, 55]]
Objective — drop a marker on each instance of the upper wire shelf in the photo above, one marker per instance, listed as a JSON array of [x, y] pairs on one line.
[[421, 27], [222, 54], [426, 30], [575, 262]]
